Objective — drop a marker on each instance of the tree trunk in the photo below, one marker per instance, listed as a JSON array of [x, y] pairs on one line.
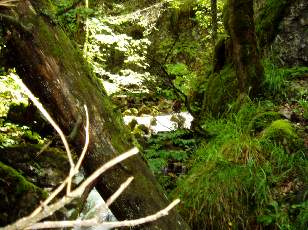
[[246, 60], [214, 20], [237, 69], [55, 71]]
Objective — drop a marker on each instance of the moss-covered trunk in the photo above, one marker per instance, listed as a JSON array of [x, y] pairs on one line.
[[237, 69], [245, 57], [55, 71]]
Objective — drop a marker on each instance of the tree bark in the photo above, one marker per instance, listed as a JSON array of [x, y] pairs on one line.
[[55, 71], [245, 57], [214, 20]]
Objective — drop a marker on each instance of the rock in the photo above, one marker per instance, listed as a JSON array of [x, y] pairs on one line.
[[291, 44]]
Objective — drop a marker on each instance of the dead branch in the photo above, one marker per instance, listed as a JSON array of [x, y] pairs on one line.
[[8, 3], [48, 210], [119, 191], [46, 115], [104, 225]]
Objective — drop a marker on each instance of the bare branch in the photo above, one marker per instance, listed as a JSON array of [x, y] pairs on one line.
[[47, 210], [8, 3], [75, 170], [113, 224], [85, 148], [108, 165], [119, 191], [46, 115]]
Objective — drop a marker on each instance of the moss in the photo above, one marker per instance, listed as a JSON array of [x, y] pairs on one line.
[[221, 89], [282, 132], [18, 195], [268, 20], [263, 120]]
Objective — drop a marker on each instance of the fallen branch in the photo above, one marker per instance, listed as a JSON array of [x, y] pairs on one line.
[[104, 225], [48, 210]]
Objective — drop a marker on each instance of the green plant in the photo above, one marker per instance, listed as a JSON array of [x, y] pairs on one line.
[[239, 178], [168, 155], [275, 78], [304, 105]]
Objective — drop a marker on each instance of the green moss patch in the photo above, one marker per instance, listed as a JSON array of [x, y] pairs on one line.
[[18, 196], [263, 120], [282, 132], [221, 89]]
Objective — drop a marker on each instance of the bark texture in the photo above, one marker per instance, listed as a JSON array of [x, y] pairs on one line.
[[245, 57], [214, 20], [55, 71]]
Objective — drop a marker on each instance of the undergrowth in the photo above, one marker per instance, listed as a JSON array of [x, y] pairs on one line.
[[168, 155], [249, 175]]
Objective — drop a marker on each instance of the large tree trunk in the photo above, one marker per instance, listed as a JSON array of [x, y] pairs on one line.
[[55, 71], [249, 70], [237, 69]]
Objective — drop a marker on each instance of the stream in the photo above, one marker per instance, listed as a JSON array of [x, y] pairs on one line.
[[163, 123]]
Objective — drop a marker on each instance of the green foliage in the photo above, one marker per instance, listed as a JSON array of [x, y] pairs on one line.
[[72, 19], [12, 134], [10, 93], [168, 155], [275, 78], [204, 17], [239, 177], [296, 71], [185, 79], [304, 105]]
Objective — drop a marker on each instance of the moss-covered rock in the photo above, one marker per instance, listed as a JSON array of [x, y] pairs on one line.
[[18, 195], [46, 169], [221, 89], [283, 133], [263, 120]]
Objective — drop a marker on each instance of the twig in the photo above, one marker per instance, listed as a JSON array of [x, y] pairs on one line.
[[113, 224], [85, 148], [52, 208], [108, 165], [75, 170], [46, 115], [43, 148], [8, 3], [119, 191]]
